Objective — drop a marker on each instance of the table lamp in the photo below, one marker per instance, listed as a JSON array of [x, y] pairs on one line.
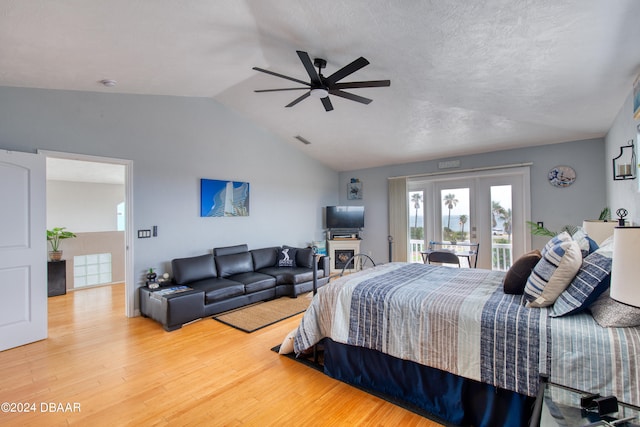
[[598, 230], [625, 266]]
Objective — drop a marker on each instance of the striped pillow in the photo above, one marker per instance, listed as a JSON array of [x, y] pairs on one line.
[[592, 280], [553, 273]]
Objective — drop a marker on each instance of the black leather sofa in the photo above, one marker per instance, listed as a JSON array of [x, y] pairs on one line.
[[234, 276]]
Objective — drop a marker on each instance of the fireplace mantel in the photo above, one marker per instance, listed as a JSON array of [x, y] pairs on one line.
[[340, 250]]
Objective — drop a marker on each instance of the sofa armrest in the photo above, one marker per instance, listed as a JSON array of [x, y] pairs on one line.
[[324, 264]]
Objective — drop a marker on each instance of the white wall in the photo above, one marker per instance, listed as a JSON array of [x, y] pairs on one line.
[[83, 206], [556, 207], [173, 142], [623, 194]]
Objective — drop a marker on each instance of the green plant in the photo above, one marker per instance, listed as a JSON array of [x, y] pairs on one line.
[[55, 235], [605, 214]]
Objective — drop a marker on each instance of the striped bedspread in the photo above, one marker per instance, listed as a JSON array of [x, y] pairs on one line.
[[459, 321]]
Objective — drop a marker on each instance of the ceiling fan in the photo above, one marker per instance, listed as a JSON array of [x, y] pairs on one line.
[[321, 87]]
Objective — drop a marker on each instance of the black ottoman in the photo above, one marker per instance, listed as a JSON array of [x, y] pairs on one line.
[[174, 309]]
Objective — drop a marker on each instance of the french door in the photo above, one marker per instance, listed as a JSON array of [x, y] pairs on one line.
[[486, 207]]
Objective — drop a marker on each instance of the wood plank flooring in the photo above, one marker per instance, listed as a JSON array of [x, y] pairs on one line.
[[100, 368]]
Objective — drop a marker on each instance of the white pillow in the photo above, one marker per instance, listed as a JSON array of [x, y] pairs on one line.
[[554, 272]]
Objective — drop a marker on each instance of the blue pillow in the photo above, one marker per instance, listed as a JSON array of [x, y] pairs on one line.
[[593, 278]]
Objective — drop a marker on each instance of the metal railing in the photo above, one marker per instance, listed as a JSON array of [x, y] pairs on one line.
[[501, 254]]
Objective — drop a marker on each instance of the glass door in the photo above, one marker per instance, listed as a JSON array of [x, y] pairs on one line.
[[488, 207]]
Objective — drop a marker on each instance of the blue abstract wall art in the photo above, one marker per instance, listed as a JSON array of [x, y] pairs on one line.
[[223, 198]]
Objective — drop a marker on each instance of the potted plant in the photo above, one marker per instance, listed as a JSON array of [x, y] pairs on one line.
[[53, 237]]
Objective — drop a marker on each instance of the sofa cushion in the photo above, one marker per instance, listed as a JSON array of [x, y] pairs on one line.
[[218, 289], [287, 257], [228, 265], [304, 257], [266, 257], [254, 282], [186, 270], [291, 276], [230, 250]]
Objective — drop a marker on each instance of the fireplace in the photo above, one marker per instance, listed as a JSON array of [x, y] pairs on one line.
[[340, 251], [341, 258]]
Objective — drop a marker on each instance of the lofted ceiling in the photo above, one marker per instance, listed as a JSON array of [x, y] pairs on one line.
[[466, 77]]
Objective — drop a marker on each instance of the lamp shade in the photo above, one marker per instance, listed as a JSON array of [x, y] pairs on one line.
[[625, 266], [598, 230]]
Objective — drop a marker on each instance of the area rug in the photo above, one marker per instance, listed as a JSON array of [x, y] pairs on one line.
[[257, 316]]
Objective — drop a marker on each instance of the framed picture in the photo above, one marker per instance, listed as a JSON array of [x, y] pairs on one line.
[[636, 98], [223, 198], [354, 190]]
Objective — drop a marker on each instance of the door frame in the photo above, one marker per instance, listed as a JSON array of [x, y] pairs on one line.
[[430, 184], [128, 227]]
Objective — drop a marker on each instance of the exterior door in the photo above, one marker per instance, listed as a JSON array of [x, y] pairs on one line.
[[481, 207], [23, 251]]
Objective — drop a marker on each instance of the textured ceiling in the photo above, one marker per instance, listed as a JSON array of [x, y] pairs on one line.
[[466, 77]]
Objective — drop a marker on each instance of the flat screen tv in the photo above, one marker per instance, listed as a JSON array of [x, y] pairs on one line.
[[344, 217]]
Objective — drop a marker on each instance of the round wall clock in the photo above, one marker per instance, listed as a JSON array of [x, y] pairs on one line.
[[561, 176]]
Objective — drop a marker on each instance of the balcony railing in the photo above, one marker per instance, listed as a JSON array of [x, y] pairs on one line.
[[501, 254]]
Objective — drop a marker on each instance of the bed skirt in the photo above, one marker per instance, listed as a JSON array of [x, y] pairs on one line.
[[450, 398]]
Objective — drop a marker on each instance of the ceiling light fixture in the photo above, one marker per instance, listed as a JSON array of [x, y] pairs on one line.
[[319, 93], [108, 82]]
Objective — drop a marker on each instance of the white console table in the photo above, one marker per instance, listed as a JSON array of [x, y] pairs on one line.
[[340, 251]]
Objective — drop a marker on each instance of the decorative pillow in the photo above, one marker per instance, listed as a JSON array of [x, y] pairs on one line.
[[516, 278], [610, 313], [592, 280], [562, 237], [552, 274], [586, 243], [304, 257], [287, 257]]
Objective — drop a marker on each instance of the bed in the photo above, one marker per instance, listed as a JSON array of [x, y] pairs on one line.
[[453, 343]]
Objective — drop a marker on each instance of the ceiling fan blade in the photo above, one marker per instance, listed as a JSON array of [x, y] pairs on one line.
[[350, 96], [308, 65], [328, 106], [278, 90], [262, 70], [371, 83], [347, 69], [295, 101]]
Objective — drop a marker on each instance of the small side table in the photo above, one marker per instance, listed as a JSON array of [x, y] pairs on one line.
[[557, 405], [174, 309], [56, 278]]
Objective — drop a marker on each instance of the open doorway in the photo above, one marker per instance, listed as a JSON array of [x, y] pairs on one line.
[[90, 196]]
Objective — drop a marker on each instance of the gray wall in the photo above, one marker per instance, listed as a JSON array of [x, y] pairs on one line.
[[623, 194], [174, 142], [554, 206]]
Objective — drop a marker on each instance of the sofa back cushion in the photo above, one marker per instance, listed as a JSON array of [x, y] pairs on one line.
[[263, 258], [186, 270], [304, 257], [229, 265], [229, 250]]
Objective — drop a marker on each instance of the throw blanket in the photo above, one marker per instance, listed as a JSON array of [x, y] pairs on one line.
[[456, 320]]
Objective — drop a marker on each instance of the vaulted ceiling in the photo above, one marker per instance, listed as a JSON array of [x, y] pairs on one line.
[[466, 77]]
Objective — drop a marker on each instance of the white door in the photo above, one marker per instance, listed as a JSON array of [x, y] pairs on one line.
[[488, 207], [23, 251]]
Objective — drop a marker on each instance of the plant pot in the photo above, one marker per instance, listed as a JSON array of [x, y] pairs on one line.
[[55, 255]]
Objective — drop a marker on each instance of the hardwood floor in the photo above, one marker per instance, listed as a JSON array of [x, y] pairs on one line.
[[103, 368]]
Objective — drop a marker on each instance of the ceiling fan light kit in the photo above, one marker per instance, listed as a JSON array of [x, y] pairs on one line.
[[321, 87]]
